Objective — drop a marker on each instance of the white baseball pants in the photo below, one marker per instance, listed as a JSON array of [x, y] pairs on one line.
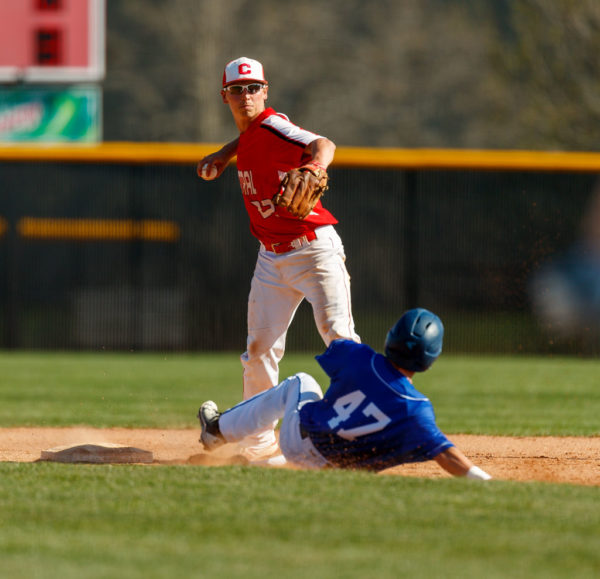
[[316, 272], [282, 401]]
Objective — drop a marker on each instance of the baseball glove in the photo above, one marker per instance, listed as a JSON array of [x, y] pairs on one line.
[[301, 189]]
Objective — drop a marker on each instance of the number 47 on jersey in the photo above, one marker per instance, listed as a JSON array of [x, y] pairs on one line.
[[348, 409]]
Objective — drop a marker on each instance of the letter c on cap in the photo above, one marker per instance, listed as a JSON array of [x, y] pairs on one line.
[[244, 68]]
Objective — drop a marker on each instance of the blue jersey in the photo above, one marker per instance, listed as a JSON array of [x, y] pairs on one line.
[[371, 416]]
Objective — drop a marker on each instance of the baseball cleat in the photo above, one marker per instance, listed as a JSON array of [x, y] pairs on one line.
[[210, 437]]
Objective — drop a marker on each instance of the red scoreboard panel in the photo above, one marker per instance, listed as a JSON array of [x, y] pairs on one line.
[[52, 40]]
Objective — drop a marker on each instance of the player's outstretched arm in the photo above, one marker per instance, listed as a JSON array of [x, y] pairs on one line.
[[457, 464], [211, 166], [322, 151]]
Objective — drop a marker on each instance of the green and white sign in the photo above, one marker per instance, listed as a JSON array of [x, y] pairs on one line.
[[50, 115]]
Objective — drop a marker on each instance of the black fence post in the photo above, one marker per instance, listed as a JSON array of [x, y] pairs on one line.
[[411, 240], [11, 276]]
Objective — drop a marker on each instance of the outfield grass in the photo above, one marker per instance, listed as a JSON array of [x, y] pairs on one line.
[[515, 395], [475, 395], [120, 389], [66, 521]]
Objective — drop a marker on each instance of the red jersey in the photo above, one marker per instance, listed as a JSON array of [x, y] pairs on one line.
[[267, 150]]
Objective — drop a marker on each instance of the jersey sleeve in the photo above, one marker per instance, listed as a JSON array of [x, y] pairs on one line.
[[338, 356], [281, 125], [424, 435]]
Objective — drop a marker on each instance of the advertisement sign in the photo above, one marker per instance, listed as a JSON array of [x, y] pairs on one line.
[[50, 115]]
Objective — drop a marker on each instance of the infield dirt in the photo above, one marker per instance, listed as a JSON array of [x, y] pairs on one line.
[[574, 460]]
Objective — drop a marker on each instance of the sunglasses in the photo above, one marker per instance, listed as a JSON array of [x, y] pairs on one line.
[[238, 89]]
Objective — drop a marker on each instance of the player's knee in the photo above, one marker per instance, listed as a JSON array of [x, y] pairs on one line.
[[264, 344], [310, 391], [308, 382]]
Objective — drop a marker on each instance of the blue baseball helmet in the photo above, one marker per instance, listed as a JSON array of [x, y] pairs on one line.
[[415, 341]]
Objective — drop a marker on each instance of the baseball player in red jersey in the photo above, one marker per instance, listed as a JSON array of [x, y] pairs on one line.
[[298, 258]]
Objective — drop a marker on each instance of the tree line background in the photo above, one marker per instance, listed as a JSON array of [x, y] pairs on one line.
[[511, 74]]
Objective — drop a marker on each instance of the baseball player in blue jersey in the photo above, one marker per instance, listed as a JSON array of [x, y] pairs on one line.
[[371, 417]]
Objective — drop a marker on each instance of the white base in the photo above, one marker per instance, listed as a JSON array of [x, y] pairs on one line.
[[103, 453]]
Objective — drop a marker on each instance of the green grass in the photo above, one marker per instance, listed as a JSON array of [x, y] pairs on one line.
[[68, 521], [515, 395], [482, 395], [120, 389], [102, 521]]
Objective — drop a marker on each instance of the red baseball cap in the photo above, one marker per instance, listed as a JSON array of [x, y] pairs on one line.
[[243, 69]]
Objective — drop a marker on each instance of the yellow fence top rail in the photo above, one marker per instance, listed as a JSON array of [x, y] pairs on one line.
[[375, 158]]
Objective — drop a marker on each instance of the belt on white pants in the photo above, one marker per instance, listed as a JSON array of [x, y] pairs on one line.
[[286, 246]]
